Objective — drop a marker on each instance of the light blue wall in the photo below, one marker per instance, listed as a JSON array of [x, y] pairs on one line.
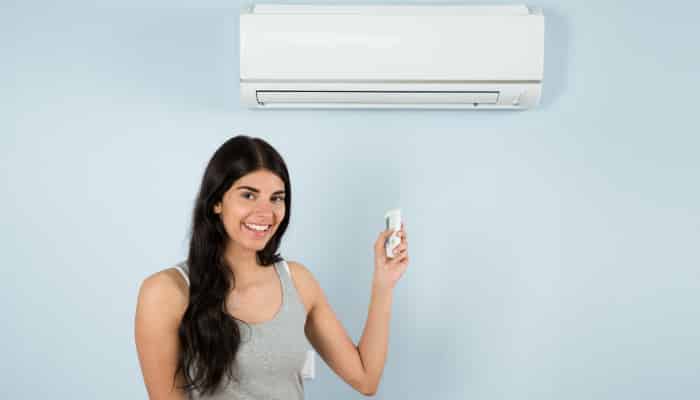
[[555, 252]]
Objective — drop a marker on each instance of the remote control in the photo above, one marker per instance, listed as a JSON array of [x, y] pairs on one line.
[[393, 222]]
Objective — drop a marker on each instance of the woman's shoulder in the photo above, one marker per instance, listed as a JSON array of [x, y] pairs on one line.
[[165, 290], [305, 282], [295, 267]]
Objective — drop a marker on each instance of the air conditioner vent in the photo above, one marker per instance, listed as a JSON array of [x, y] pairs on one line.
[[370, 97]]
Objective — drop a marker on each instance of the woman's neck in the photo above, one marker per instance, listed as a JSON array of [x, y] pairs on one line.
[[243, 263]]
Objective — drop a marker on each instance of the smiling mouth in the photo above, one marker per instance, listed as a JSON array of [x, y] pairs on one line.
[[257, 230]]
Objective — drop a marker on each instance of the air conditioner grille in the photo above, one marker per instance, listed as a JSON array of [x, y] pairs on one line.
[[376, 97]]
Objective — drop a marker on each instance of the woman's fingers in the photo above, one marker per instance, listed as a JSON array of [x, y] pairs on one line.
[[400, 252], [379, 244], [400, 248]]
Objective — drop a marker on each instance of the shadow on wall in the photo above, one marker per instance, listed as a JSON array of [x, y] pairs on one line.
[[556, 57]]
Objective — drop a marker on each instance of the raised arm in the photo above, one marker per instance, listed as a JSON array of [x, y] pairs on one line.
[[162, 301], [327, 334], [360, 366]]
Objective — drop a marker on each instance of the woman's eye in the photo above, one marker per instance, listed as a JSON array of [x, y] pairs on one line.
[[278, 199], [248, 195]]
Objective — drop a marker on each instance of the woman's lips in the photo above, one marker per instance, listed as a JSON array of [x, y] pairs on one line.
[[255, 233]]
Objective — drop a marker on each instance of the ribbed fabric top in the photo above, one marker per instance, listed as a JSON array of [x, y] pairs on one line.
[[271, 354]]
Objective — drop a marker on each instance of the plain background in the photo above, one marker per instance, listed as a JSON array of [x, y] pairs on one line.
[[554, 252]]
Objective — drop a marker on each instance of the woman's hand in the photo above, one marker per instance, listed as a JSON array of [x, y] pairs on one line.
[[387, 271]]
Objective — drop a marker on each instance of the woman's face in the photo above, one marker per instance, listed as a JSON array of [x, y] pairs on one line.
[[252, 209]]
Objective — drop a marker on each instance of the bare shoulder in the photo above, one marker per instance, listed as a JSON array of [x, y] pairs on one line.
[[306, 284], [162, 301], [166, 292]]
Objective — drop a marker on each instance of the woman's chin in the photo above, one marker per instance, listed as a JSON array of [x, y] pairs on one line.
[[248, 245], [255, 246]]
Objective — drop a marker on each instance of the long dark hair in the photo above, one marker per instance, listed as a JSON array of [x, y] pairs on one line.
[[209, 335]]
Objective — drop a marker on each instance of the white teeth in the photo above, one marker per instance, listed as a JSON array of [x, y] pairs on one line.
[[258, 227]]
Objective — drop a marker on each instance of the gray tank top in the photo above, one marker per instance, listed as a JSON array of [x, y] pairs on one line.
[[271, 355]]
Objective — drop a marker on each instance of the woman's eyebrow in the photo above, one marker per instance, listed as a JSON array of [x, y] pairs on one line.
[[252, 189]]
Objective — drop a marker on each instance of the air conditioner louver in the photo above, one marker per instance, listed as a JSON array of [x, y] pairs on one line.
[[269, 97]]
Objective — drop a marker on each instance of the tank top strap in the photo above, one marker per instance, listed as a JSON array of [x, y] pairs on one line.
[[184, 271], [292, 297], [285, 277]]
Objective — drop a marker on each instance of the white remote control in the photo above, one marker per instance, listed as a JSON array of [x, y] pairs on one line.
[[393, 222]]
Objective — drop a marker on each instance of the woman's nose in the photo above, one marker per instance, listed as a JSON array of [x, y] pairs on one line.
[[263, 208]]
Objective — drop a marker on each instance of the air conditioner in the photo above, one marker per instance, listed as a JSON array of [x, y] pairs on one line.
[[391, 56]]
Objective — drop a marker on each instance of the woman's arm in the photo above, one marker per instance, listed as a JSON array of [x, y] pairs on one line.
[[360, 366], [161, 304], [326, 333], [374, 343]]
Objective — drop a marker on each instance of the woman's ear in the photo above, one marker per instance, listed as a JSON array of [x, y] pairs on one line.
[[217, 208]]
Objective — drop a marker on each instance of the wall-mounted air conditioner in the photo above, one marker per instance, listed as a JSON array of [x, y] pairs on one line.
[[392, 56]]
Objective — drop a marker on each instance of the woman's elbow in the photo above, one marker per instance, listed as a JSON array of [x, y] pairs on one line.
[[369, 390]]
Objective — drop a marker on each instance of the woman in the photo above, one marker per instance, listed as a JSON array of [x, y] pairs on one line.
[[232, 322]]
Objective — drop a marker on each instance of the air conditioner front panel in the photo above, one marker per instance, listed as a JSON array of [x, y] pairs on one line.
[[336, 47]]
